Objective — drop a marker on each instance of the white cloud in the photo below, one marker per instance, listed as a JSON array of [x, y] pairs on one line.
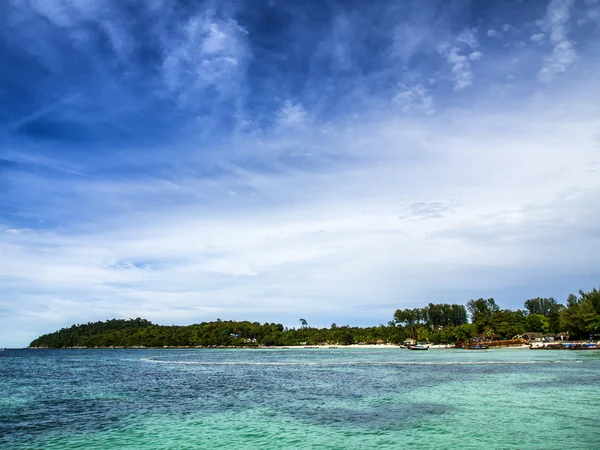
[[206, 51], [555, 23], [538, 38], [74, 17], [216, 40], [469, 36], [461, 68], [349, 219], [459, 56], [291, 115], [58, 13], [464, 203], [415, 98], [592, 13]]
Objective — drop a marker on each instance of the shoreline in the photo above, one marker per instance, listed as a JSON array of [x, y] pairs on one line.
[[274, 347]]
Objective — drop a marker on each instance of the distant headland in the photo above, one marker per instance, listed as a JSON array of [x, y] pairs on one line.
[[443, 324]]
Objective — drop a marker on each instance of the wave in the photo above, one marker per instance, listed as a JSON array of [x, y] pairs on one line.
[[355, 363]]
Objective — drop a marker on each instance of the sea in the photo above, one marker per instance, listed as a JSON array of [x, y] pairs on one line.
[[344, 398]]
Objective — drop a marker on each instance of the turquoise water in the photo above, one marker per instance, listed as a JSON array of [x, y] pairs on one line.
[[325, 398]]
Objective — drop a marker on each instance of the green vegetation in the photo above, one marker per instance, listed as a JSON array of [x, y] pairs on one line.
[[139, 332], [438, 323]]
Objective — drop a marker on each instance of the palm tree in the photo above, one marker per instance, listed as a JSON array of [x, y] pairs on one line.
[[304, 324]]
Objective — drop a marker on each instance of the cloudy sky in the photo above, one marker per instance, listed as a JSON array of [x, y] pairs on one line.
[[270, 160]]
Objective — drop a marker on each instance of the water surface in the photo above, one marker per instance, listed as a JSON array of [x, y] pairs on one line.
[[326, 398]]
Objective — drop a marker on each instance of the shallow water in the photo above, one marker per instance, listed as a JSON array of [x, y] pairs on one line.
[[326, 398]]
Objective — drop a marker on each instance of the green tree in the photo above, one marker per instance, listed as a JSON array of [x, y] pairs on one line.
[[422, 334], [537, 323], [580, 317], [481, 311], [464, 332], [408, 318], [540, 305], [554, 318], [508, 323]]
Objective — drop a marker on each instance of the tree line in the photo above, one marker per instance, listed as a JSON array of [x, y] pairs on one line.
[[128, 333], [579, 318]]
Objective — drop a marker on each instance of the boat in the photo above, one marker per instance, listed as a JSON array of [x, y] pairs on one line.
[[581, 346], [477, 347], [546, 347], [566, 346], [418, 347]]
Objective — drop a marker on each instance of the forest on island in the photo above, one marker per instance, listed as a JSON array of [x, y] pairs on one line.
[[579, 318]]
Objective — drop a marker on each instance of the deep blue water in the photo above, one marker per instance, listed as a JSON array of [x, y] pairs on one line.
[[326, 398]]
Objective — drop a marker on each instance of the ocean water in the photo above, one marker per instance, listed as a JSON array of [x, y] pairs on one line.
[[310, 398]]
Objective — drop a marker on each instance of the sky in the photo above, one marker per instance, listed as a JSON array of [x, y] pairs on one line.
[[184, 161]]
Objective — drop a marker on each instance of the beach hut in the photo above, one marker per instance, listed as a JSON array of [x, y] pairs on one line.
[[409, 341], [533, 337], [491, 337]]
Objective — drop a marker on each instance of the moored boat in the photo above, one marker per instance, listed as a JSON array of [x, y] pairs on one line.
[[580, 346], [418, 347], [566, 346]]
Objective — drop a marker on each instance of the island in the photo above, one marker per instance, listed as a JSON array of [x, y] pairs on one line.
[[481, 320]]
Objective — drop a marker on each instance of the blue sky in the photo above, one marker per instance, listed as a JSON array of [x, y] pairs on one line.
[[269, 160]]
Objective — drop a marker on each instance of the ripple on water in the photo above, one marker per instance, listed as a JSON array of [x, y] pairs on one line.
[[297, 399]]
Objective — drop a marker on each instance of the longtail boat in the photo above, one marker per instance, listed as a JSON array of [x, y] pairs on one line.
[[418, 347]]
